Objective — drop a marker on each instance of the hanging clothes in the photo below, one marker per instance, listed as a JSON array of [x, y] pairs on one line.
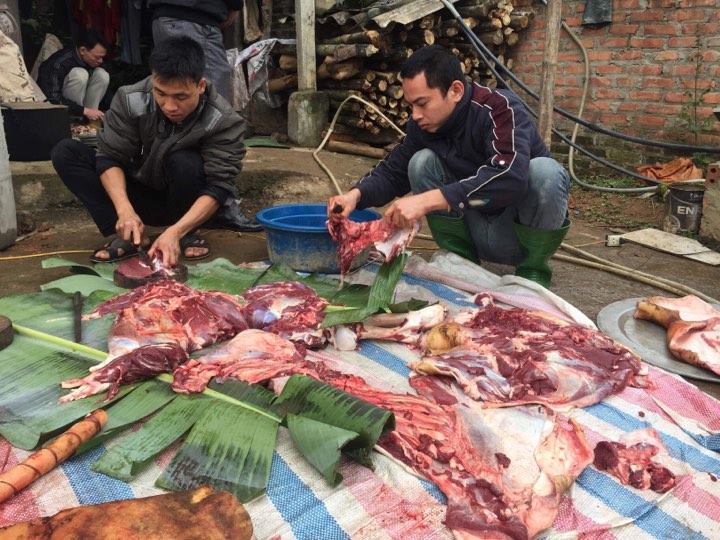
[[102, 15]]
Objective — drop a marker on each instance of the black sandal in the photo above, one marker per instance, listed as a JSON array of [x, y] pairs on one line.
[[194, 240], [113, 247]]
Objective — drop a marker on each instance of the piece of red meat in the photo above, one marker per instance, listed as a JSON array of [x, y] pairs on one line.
[[137, 365], [631, 461], [160, 290], [507, 357], [289, 309], [138, 271], [353, 238]]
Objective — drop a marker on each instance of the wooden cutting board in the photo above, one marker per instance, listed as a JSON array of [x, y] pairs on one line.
[[199, 514]]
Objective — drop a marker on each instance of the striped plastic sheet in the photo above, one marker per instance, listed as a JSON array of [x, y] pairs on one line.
[[390, 503]]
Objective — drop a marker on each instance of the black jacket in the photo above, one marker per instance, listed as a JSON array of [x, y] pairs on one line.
[[52, 73], [487, 144], [137, 137], [211, 12]]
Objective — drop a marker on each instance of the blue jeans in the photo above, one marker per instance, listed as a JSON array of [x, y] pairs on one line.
[[544, 206]]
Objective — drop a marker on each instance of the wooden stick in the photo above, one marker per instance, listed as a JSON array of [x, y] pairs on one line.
[[49, 457], [355, 149]]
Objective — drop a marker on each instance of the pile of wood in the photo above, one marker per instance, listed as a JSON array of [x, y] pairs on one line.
[[361, 53]]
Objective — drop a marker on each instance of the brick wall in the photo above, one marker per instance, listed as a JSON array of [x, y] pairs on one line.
[[643, 66]]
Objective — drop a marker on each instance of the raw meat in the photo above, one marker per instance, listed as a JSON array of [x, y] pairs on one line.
[[137, 365], [161, 290], [697, 343], [138, 271], [664, 311], [531, 455], [508, 357], [479, 459], [252, 356], [353, 238], [693, 328], [631, 461], [289, 309], [169, 312]]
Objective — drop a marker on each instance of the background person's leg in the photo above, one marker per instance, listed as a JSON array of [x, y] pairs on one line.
[[97, 85], [217, 68], [75, 85]]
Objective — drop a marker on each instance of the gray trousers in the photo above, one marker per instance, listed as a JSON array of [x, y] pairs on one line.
[[84, 88], [544, 205], [217, 67]]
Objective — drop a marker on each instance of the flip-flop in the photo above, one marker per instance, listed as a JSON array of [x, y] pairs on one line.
[[193, 240], [112, 247]]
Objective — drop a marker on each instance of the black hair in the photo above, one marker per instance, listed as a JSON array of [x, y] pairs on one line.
[[440, 67], [178, 58], [89, 37]]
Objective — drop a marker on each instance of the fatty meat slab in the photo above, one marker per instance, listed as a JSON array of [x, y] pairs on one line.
[[507, 357], [693, 328], [630, 460], [353, 238], [252, 356], [138, 365]]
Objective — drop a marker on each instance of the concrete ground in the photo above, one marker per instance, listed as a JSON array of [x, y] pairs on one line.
[[274, 176]]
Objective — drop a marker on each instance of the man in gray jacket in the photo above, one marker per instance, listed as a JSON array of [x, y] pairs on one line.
[[168, 155]]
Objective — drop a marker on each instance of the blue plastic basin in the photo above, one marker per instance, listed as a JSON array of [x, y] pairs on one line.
[[297, 236]]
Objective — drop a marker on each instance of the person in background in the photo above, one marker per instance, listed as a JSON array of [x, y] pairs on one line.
[[73, 76], [168, 155], [203, 21], [477, 169]]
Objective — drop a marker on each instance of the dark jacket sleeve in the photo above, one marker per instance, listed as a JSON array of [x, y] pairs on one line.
[[119, 138], [503, 179], [389, 178], [50, 79], [222, 152]]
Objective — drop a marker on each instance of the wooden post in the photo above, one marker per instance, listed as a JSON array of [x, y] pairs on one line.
[[305, 32], [553, 18]]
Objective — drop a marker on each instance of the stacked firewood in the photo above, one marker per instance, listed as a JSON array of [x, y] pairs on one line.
[[358, 55]]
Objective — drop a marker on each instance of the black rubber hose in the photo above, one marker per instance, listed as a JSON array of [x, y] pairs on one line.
[[487, 55]]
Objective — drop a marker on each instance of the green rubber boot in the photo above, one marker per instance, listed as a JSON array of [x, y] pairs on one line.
[[539, 245], [451, 233]]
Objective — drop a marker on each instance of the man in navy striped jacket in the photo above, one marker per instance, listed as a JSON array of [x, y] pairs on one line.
[[477, 169]]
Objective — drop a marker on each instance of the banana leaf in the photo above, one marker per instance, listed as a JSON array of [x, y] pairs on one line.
[[222, 275], [104, 270], [126, 458], [317, 401], [380, 295], [85, 284], [228, 448], [52, 313], [320, 444]]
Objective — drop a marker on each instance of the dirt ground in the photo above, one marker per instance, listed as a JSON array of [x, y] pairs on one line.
[[275, 176]]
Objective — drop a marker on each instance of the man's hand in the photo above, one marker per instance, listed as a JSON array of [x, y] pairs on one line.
[[230, 19], [404, 212], [93, 114], [347, 202], [168, 244], [129, 226]]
